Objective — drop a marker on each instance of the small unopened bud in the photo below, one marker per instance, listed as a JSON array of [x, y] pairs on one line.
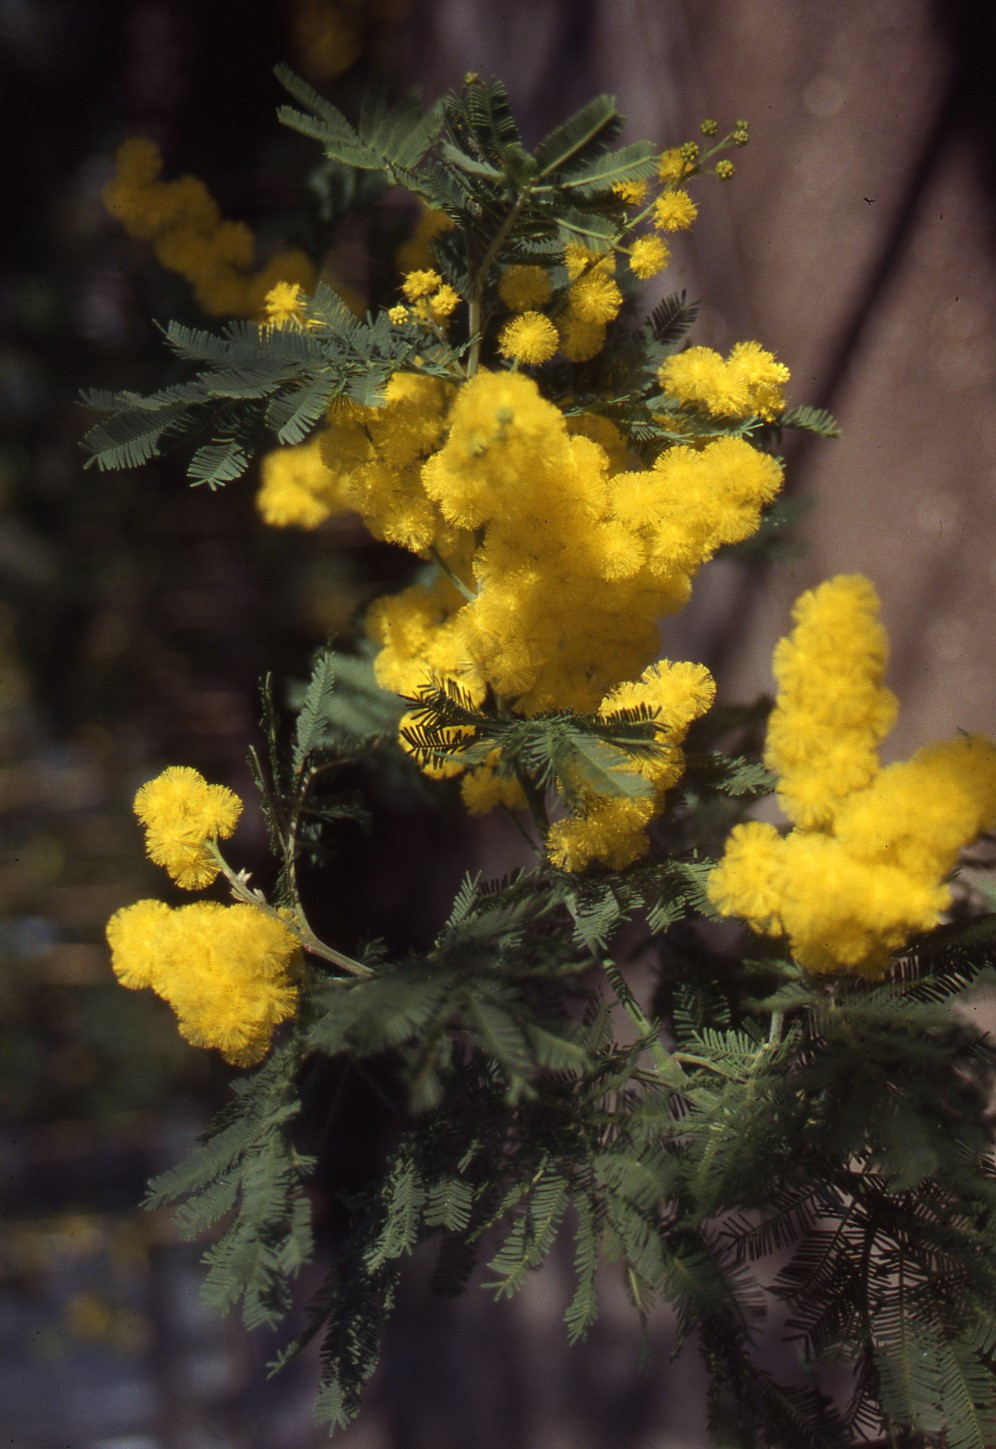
[[740, 138], [690, 152], [709, 128], [724, 170]]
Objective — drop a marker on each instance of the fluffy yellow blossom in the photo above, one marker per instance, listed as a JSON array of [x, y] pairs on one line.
[[832, 709], [630, 192], [297, 488], [674, 211], [672, 165], [594, 297], [522, 288], [184, 223], [181, 812], [648, 256], [612, 831], [484, 789], [580, 340], [863, 870], [225, 970], [762, 376], [749, 381], [398, 314], [578, 259], [420, 283], [530, 337], [283, 305]]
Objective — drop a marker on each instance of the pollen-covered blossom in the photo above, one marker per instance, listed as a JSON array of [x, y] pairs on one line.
[[297, 488], [225, 970], [749, 381], [432, 300], [283, 305], [613, 829], [524, 287], [672, 165], [833, 709], [181, 812], [184, 223], [530, 337], [674, 210], [648, 256], [630, 192], [376, 455], [863, 870], [574, 559]]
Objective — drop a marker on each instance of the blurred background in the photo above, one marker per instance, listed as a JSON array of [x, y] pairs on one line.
[[137, 616]]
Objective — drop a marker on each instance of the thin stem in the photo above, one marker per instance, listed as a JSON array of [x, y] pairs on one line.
[[480, 277], [663, 1059], [242, 891], [444, 568]]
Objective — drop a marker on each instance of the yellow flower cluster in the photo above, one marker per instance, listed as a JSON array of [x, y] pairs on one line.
[[432, 301], [863, 869], [833, 710], [185, 226], [593, 301], [225, 970], [612, 829], [367, 459], [181, 812], [559, 561], [748, 382]]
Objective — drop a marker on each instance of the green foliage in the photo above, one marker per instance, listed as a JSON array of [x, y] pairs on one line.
[[247, 1165], [839, 1124]]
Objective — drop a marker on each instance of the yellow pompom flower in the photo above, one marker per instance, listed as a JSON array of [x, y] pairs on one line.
[[630, 192], [522, 288], [864, 868], [700, 377], [181, 812], [762, 375], [648, 256], [225, 970], [297, 488], [283, 305], [672, 165], [420, 283], [578, 259], [674, 211], [530, 337], [594, 298], [580, 340], [832, 710]]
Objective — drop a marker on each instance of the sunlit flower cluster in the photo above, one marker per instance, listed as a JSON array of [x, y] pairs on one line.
[[182, 813], [863, 868], [748, 382], [227, 971]]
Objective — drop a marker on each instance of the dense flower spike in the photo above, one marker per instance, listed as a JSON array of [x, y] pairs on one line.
[[225, 970], [181, 813], [832, 711], [864, 868]]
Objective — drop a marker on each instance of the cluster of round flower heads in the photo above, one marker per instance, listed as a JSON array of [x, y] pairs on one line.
[[226, 970], [863, 868], [185, 226]]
